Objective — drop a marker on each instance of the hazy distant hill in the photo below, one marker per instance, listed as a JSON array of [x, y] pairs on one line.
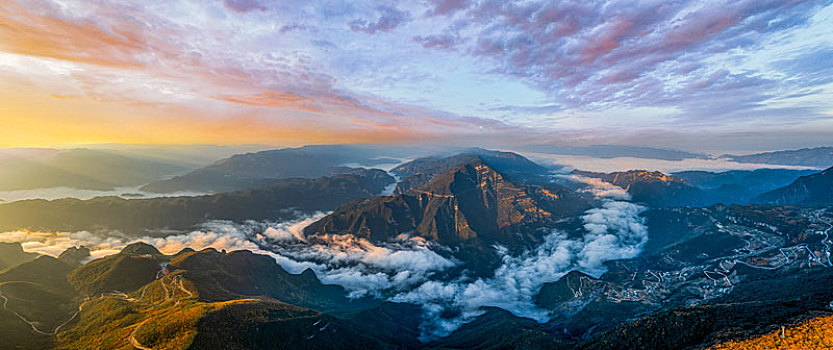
[[82, 169], [760, 180], [138, 216], [819, 157], [12, 254], [252, 170], [740, 186], [614, 151], [816, 189]]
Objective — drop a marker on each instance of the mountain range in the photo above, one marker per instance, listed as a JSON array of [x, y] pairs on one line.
[[251, 170], [819, 157], [615, 151], [535, 260], [812, 189], [686, 294], [277, 200]]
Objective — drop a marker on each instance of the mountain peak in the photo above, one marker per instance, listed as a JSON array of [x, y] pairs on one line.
[[140, 248], [73, 256], [470, 200]]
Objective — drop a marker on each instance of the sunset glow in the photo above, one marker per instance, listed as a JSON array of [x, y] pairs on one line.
[[287, 73]]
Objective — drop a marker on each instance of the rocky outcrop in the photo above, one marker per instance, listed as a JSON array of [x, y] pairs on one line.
[[472, 201]]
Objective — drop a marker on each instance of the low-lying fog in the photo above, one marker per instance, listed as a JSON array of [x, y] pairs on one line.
[[607, 165]]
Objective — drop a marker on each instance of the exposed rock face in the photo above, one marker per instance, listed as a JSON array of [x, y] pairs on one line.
[[472, 201], [420, 172]]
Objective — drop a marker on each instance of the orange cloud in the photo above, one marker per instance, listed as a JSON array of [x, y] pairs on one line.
[[27, 33]]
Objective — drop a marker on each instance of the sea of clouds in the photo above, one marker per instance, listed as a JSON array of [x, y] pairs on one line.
[[408, 269]]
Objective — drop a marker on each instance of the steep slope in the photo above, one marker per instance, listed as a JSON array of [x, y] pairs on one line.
[[819, 157], [816, 189], [83, 169], [739, 186], [144, 216], [470, 202], [252, 170], [813, 333]]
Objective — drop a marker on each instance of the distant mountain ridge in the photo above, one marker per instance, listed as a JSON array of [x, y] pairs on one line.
[[252, 170], [816, 189], [12, 254], [819, 157], [82, 169], [615, 151], [698, 188], [144, 216]]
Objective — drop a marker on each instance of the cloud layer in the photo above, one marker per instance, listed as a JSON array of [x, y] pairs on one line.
[[407, 71]]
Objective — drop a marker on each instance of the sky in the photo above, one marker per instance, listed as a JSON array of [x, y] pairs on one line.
[[691, 75]]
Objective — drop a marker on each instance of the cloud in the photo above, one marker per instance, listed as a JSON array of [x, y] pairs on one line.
[[244, 5], [389, 19], [540, 68], [597, 187], [614, 231]]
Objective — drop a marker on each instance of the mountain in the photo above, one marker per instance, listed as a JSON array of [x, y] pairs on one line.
[[615, 151], [739, 186], [713, 276], [699, 188], [124, 272], [82, 169], [252, 170], [74, 256], [505, 162], [210, 299], [819, 157], [37, 302], [816, 189], [147, 215], [12, 254], [653, 188], [455, 200]]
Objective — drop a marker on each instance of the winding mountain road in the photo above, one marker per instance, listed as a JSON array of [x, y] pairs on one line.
[[32, 324], [176, 284], [135, 343]]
